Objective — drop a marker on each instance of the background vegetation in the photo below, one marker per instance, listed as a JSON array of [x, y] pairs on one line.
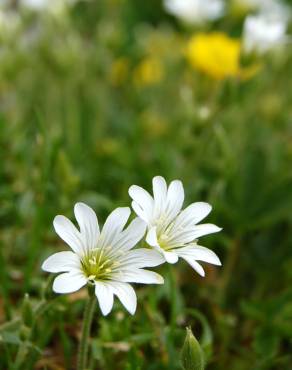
[[98, 96]]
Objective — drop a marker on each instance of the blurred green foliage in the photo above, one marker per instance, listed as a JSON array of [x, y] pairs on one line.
[[99, 96]]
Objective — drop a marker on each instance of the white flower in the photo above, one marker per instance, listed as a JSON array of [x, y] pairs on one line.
[[52, 6], [35, 4], [275, 9], [9, 22], [262, 34], [173, 231], [104, 258], [263, 6], [195, 11]]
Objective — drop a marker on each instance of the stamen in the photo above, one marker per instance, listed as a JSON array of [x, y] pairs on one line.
[[97, 264], [164, 237], [92, 261]]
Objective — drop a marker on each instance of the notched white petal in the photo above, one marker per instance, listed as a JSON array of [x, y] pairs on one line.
[[175, 198], [88, 224], [195, 265], [105, 297], [151, 237], [131, 235], [170, 257], [68, 232], [193, 214], [69, 282], [206, 255], [190, 234], [199, 253], [143, 199], [143, 257], [114, 225], [139, 211], [160, 194], [140, 276], [205, 229], [61, 262], [126, 295]]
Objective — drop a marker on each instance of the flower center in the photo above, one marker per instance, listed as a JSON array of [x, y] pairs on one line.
[[96, 265], [163, 241]]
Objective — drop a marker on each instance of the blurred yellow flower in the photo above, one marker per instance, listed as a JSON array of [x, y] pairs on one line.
[[217, 55], [108, 146], [148, 72], [119, 71], [153, 123]]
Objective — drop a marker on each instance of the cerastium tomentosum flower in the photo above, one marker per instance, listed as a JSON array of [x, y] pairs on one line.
[[105, 258], [262, 33], [195, 11], [173, 231]]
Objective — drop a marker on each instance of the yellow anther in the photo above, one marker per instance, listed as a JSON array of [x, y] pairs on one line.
[[92, 261], [91, 277]]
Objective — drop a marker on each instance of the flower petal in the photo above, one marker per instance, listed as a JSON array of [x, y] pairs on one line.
[[131, 235], [200, 254], [68, 232], [140, 276], [69, 282], [139, 211], [151, 237], [142, 257], [105, 297], [88, 224], [193, 214], [175, 199], [126, 295], [61, 262], [195, 265], [205, 229], [188, 235], [170, 257], [143, 199], [114, 225], [160, 194]]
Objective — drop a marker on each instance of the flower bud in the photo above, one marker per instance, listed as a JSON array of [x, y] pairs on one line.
[[192, 356], [27, 311], [24, 333]]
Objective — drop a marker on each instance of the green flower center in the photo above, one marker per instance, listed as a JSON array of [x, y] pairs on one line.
[[163, 242], [96, 265]]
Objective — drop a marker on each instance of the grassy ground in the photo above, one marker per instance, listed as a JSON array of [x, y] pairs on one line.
[[101, 97]]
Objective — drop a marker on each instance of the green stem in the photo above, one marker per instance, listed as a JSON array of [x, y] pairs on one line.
[[21, 355], [86, 326], [229, 270], [173, 297]]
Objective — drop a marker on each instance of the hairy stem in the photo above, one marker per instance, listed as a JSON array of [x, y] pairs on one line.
[[86, 326]]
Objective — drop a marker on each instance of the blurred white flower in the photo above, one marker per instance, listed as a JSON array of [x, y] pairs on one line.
[[275, 10], [9, 22], [52, 6], [104, 258], [262, 34], [173, 231], [195, 11], [204, 112], [35, 4], [268, 8]]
